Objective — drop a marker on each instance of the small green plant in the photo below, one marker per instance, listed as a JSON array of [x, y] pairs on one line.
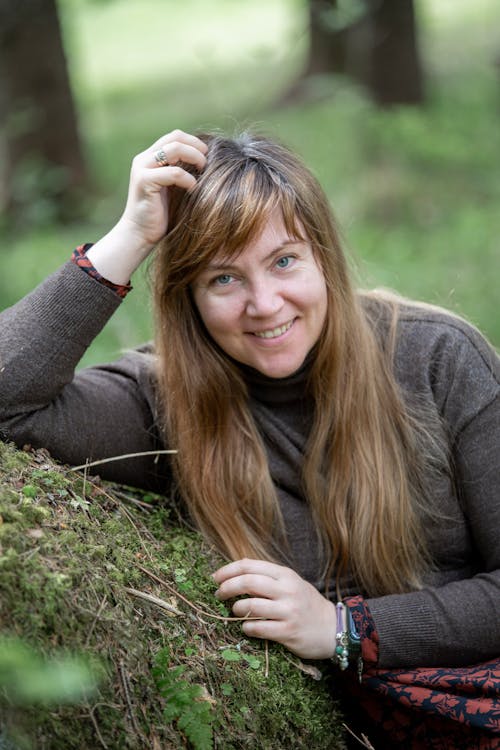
[[185, 702], [29, 490]]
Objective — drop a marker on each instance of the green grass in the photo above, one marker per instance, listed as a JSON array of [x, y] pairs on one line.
[[416, 191]]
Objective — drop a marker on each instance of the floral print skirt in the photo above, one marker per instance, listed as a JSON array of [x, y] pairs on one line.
[[426, 708], [431, 708]]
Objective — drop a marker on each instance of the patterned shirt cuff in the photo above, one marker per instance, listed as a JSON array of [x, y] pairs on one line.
[[365, 626], [79, 258]]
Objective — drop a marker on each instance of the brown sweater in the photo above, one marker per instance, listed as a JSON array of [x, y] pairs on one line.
[[110, 410]]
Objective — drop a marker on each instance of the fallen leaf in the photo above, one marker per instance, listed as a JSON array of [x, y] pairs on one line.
[[205, 696], [35, 533], [310, 670]]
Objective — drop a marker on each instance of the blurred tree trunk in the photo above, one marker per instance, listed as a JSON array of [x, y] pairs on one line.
[[39, 137], [395, 71], [374, 42], [334, 31], [325, 43]]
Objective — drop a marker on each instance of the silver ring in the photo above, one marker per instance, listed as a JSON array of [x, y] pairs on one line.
[[161, 158]]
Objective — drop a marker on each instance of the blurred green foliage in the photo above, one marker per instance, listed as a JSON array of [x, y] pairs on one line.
[[416, 191], [27, 678]]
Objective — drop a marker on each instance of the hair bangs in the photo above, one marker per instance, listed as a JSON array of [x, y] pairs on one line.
[[232, 201]]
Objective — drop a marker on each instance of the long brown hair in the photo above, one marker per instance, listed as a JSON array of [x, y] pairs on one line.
[[366, 460]]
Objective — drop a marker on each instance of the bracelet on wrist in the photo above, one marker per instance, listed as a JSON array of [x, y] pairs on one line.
[[341, 638], [347, 640], [79, 257]]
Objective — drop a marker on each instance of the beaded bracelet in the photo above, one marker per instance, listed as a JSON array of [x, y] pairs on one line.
[[341, 638], [79, 258], [348, 643]]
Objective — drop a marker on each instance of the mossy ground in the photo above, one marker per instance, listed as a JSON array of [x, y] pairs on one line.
[[71, 548]]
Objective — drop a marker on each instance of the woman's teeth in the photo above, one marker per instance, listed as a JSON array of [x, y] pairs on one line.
[[271, 334]]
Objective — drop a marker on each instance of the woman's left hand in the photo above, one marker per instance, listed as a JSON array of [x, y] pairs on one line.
[[294, 613]]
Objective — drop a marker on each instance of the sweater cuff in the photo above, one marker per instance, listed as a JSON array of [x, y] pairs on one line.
[[79, 258], [407, 629], [365, 626]]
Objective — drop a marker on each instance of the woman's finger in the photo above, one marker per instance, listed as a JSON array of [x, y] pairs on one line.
[[246, 565], [268, 609], [172, 148], [172, 153], [166, 176], [181, 137], [249, 584], [271, 630]]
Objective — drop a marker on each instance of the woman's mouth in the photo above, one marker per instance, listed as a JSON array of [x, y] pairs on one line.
[[273, 333]]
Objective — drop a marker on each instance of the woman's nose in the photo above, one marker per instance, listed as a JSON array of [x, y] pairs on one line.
[[264, 299]]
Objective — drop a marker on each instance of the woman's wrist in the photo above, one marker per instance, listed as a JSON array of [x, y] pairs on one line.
[[80, 258], [119, 253]]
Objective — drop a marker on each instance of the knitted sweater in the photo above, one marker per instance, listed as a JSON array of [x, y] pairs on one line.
[[111, 410]]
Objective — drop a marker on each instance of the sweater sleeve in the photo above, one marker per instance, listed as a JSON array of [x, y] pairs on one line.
[[457, 623], [96, 413]]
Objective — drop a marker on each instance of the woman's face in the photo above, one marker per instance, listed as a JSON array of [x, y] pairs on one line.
[[265, 308]]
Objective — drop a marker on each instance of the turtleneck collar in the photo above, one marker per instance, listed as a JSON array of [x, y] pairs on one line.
[[277, 390]]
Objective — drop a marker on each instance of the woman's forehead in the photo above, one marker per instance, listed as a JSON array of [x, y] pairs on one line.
[[274, 232]]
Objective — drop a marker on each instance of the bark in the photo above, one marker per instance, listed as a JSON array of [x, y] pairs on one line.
[[39, 120], [395, 71], [376, 47], [327, 47]]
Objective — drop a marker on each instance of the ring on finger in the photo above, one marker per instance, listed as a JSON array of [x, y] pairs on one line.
[[161, 158]]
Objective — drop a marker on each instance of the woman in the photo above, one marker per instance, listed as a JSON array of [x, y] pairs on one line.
[[340, 448]]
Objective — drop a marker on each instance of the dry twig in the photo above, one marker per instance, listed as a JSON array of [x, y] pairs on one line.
[[91, 629], [126, 690], [87, 464], [155, 600], [197, 609], [364, 739], [147, 507], [96, 726]]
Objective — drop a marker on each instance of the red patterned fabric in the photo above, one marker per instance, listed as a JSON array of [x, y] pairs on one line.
[[79, 257], [431, 708]]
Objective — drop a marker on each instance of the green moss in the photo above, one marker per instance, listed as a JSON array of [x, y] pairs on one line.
[[69, 556]]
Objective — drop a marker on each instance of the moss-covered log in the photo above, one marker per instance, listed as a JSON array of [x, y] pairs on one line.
[[79, 561]]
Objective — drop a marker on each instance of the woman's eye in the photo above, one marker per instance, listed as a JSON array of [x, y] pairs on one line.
[[223, 280], [284, 262]]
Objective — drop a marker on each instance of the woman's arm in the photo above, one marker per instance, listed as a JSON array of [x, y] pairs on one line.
[[97, 413], [457, 623], [455, 619], [103, 411]]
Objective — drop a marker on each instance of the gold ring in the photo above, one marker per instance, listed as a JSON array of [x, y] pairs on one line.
[[161, 158]]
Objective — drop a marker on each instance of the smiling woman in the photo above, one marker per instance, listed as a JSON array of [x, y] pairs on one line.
[[265, 309], [322, 434]]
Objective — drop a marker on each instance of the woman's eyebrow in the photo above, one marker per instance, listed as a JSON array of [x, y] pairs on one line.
[[228, 265]]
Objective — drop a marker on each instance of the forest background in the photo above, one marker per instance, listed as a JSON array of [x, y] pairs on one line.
[[415, 188]]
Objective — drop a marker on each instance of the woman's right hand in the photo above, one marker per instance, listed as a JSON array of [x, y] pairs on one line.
[[145, 218], [146, 212]]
